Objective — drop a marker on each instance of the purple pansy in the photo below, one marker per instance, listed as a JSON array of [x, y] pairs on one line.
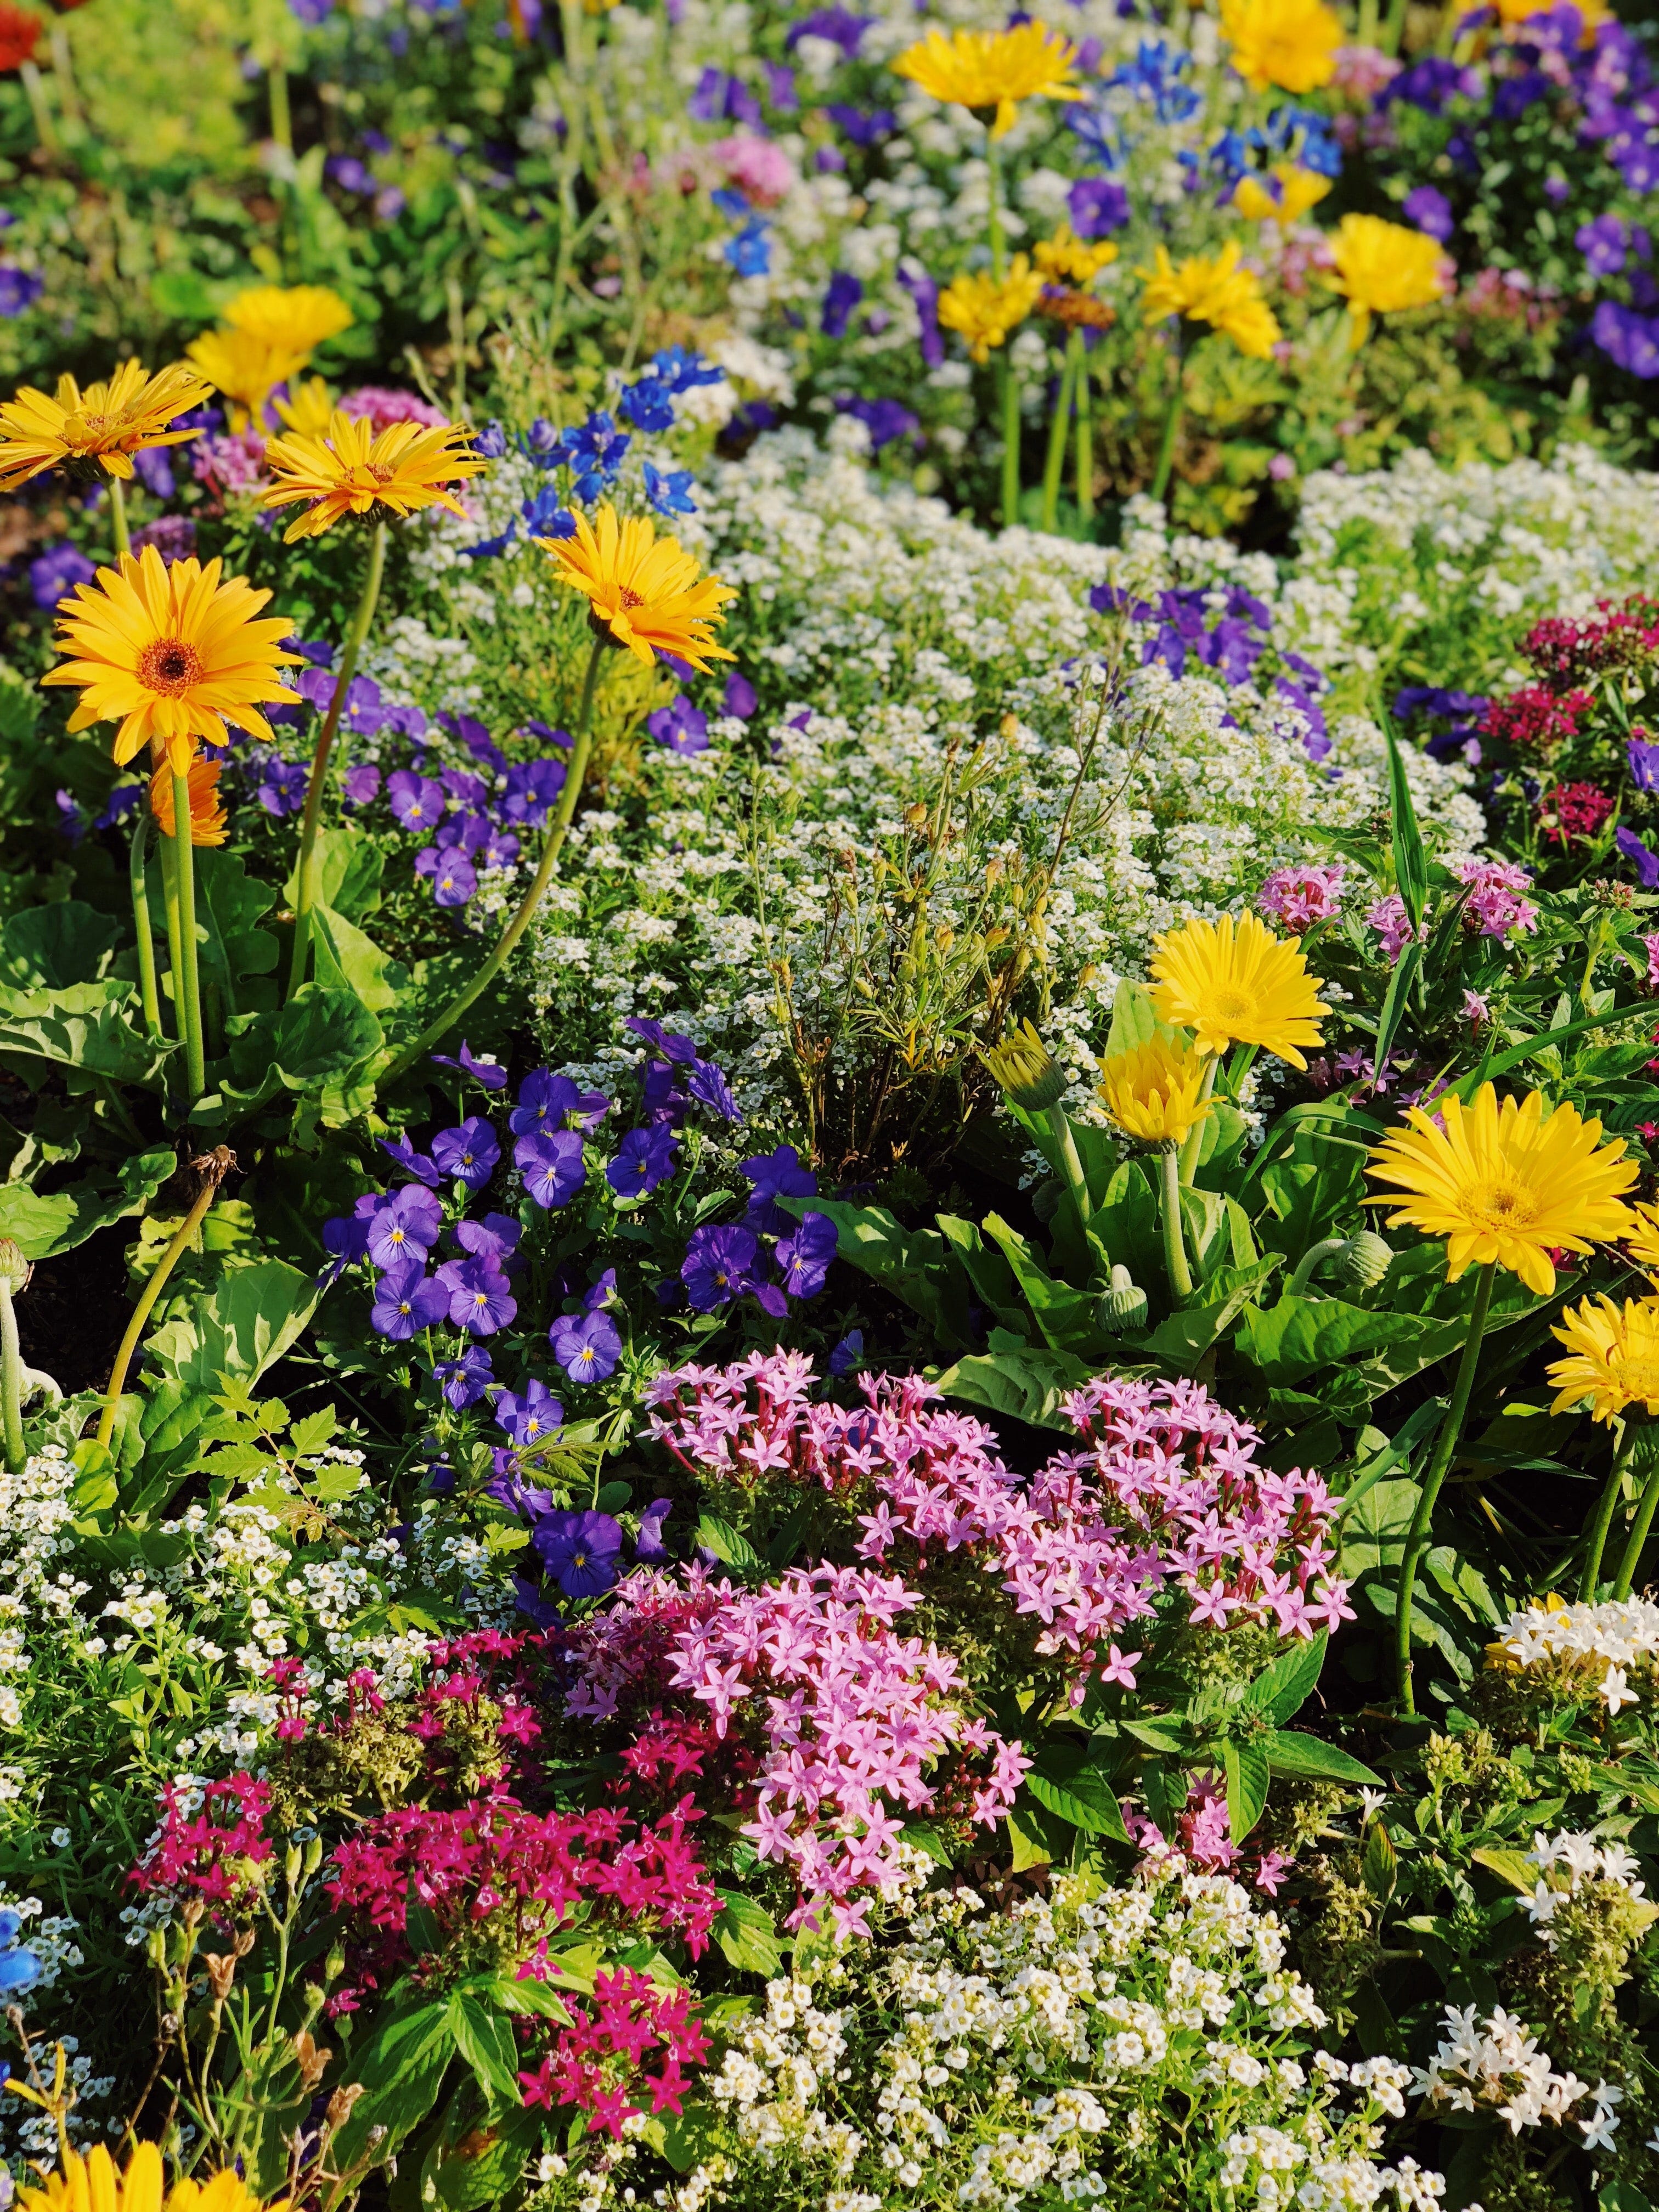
[[550, 1162], [483, 1067], [581, 1550], [464, 1381], [586, 1346], [643, 1158], [408, 1223], [776, 1174], [804, 1257], [480, 1299], [531, 1416], [407, 1300], [469, 1153], [417, 801]]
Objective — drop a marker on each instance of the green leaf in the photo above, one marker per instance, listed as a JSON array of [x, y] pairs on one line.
[[351, 865], [919, 1269], [1068, 1318], [1246, 1768], [401, 2068], [1067, 1780], [44, 1224], [243, 1325], [1395, 1000], [1027, 1385], [45, 947], [345, 958], [1311, 1759], [986, 1270], [104, 1037], [1181, 1339], [229, 904], [1379, 1862], [727, 1544], [1298, 1337], [747, 1935], [1283, 1687], [322, 1042], [1374, 1533], [485, 2040], [1514, 1868], [1411, 866]]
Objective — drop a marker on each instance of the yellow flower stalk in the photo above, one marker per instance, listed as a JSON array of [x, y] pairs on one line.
[[246, 367], [1612, 1358], [1505, 1185], [208, 823], [1381, 267], [352, 471], [1215, 291], [993, 71], [1291, 44], [1234, 982], [646, 592], [171, 655], [1066, 258], [985, 309], [1298, 189], [92, 2183], [100, 427], [292, 319], [1155, 1092]]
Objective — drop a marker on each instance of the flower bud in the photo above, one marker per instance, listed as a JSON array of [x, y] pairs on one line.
[[14, 1269], [1026, 1069], [1124, 1305], [1363, 1262]]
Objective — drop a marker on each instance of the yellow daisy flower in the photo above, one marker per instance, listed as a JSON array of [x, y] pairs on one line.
[[1291, 44], [307, 408], [1612, 1358], [208, 824], [1217, 292], [992, 70], [1025, 1068], [292, 319], [91, 2184], [105, 425], [353, 472], [1641, 1245], [985, 308], [244, 366], [1236, 983], [1383, 266], [172, 654], [1154, 1091], [1065, 259], [1510, 1183], [646, 591], [1298, 189]]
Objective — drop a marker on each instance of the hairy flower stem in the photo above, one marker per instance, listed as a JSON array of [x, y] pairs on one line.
[[1604, 1511], [1160, 483], [117, 516], [1445, 1445], [44, 130], [1174, 1244], [307, 867], [11, 1381], [1637, 1542], [1060, 424], [148, 990], [1313, 1258], [1085, 443], [1071, 1165], [1192, 1142], [573, 776], [186, 981], [213, 1169]]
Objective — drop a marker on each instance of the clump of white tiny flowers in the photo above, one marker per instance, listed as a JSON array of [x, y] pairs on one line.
[[1574, 1648], [1568, 1864], [1496, 2064]]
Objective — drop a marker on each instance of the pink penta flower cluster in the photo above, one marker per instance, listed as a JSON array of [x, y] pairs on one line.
[[855, 1719], [1299, 898], [210, 1848], [599, 2061], [1495, 905], [1204, 1836], [1389, 918], [754, 1422]]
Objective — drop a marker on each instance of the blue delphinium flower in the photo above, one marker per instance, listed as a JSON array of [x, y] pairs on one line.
[[668, 491]]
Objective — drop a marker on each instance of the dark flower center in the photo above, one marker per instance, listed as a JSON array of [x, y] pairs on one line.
[[169, 666]]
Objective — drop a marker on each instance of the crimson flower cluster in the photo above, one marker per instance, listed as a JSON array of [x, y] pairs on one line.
[[630, 2017], [1566, 649], [209, 1848]]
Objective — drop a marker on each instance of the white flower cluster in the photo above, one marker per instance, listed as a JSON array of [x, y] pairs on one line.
[[1568, 1863], [1496, 2064], [1601, 1642]]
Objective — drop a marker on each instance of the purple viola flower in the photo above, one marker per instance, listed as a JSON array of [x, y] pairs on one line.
[[849, 1355], [410, 1161], [408, 1223], [531, 1417], [361, 785], [680, 727], [924, 292], [464, 1381], [602, 1292], [154, 471], [709, 1087], [648, 1545], [417, 801], [484, 1067], [804, 1257], [480, 1300], [19, 288], [454, 880], [123, 798], [1604, 243], [643, 1158], [740, 698], [495, 1237], [466, 788], [1626, 337], [582, 1551], [547, 1101], [1097, 206], [532, 788], [406, 1301], [56, 573], [550, 1162], [776, 1174], [586, 1346], [71, 815], [840, 300], [468, 1153], [1643, 760], [345, 1239], [1432, 211], [1642, 856], [668, 1043], [281, 788], [718, 1266]]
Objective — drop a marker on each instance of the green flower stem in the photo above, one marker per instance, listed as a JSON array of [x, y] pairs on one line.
[[218, 1165], [1060, 424], [117, 516], [44, 129], [148, 990], [1445, 1445], [1309, 1262], [1638, 1535], [1192, 1142], [574, 775], [1174, 1244], [1010, 442], [1160, 483], [11, 1381], [1604, 1511], [307, 866], [1071, 1165], [187, 982], [1085, 442], [282, 126]]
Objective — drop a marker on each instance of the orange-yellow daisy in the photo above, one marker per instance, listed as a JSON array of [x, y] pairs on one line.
[[354, 471], [91, 2183], [208, 824], [1236, 983], [648, 591], [105, 425], [992, 71]]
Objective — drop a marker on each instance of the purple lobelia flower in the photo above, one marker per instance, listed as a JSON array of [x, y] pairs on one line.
[[469, 1153], [483, 1067], [581, 1550], [407, 1300], [804, 1257], [586, 1346], [405, 1227], [643, 1158], [776, 1174], [531, 1416], [550, 1162], [464, 1381], [480, 1300]]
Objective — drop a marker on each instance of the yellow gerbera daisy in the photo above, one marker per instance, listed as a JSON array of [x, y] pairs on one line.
[[1612, 1358], [1642, 1244], [1217, 292], [106, 424], [1510, 1183], [992, 70], [1383, 266], [1236, 983], [244, 366], [171, 653], [1290, 43], [1026, 1069], [309, 407], [92, 2183], [985, 308], [1067, 259], [353, 472], [290, 317], [208, 824], [1284, 196], [648, 591], [1155, 1092]]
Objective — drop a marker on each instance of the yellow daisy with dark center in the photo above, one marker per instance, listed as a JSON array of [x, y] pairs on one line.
[[352, 471], [648, 591]]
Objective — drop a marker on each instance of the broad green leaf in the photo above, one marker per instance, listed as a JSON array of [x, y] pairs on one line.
[[679, 2137], [45, 947], [1027, 1384], [1068, 1318], [1298, 1337], [1283, 1687], [1134, 1021], [485, 2040], [351, 864], [727, 1544], [1395, 1000], [1247, 1773], [38, 1033], [1067, 1781], [229, 904], [1514, 1868], [986, 1270], [1290, 1752], [44, 1224], [1026, 1847], [400, 2068], [747, 1935], [344, 958], [470, 2166], [919, 1269], [1181, 1339], [247, 1322], [1379, 1862]]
